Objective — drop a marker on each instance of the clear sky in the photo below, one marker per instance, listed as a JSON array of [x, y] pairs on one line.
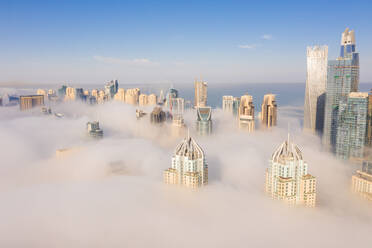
[[174, 41]]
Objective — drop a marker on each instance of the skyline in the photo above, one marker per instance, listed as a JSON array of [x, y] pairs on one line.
[[169, 42]]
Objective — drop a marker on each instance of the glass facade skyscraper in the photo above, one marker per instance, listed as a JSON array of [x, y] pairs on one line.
[[342, 78], [204, 121]]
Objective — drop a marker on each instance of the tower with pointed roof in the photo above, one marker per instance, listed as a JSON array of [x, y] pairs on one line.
[[189, 167], [287, 178]]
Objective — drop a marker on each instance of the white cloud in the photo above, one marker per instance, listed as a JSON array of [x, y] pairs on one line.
[[267, 37], [248, 46], [135, 62]]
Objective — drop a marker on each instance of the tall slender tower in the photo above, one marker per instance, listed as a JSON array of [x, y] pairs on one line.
[[189, 167], [352, 126], [342, 78], [204, 120], [287, 178], [316, 80], [269, 111], [200, 99], [246, 113]]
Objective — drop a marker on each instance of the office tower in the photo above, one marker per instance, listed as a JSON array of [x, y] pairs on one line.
[[91, 100], [1, 101], [152, 99], [178, 123], [246, 113], [94, 130], [95, 93], [111, 88], [369, 121], [79, 94], [172, 94], [189, 167], [62, 91], [204, 120], [236, 105], [157, 115], [362, 180], [352, 126], [143, 100], [268, 111], [70, 94], [287, 177], [28, 102], [86, 93], [316, 81], [228, 104], [177, 106], [42, 92], [200, 98], [132, 95], [342, 78], [120, 95]]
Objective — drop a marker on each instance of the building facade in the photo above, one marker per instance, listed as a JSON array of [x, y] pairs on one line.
[[268, 111], [157, 115], [316, 81], [28, 102], [228, 104], [352, 126], [94, 130], [362, 181], [342, 78], [189, 167], [246, 113], [204, 120], [200, 98], [287, 177], [143, 100]]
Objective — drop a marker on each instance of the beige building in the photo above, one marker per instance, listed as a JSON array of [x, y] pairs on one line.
[[269, 111], [42, 92], [246, 113], [287, 178], [362, 181], [120, 95], [132, 95], [200, 99], [143, 100], [28, 102], [70, 94], [189, 167], [152, 99]]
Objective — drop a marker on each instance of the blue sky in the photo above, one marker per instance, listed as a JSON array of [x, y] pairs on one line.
[[174, 41]]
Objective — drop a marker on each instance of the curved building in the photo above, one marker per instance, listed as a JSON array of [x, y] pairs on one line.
[[287, 178], [189, 167]]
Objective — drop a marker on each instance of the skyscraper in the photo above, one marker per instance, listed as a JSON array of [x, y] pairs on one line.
[[94, 130], [171, 94], [369, 121], [228, 104], [189, 167], [120, 95], [152, 99], [157, 115], [269, 111], [28, 102], [352, 126], [316, 81], [132, 95], [142, 100], [287, 178], [246, 113], [362, 181], [111, 88], [342, 78], [204, 120], [200, 98]]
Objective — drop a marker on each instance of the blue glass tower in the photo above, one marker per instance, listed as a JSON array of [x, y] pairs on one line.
[[342, 78]]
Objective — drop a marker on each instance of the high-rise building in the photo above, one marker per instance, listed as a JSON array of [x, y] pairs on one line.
[[316, 81], [177, 106], [152, 99], [157, 115], [228, 104], [287, 177], [268, 111], [94, 130], [172, 94], [200, 99], [204, 120], [70, 94], [143, 100], [369, 122], [352, 126], [28, 102], [246, 113], [132, 95], [342, 78], [120, 95], [362, 180], [111, 88], [42, 92], [189, 167], [62, 91]]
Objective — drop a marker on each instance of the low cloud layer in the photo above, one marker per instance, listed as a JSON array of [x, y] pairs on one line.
[[83, 201]]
